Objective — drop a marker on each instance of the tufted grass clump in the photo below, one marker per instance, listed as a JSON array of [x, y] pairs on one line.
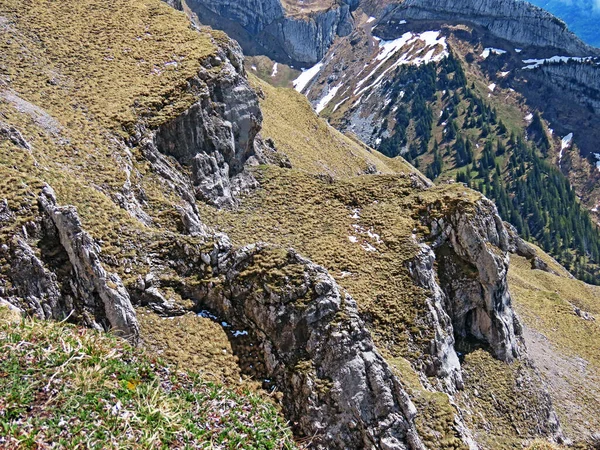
[[69, 387], [109, 61]]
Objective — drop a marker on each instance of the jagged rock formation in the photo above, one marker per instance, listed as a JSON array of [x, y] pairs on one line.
[[579, 81], [444, 359], [518, 22], [312, 337], [472, 251], [215, 137], [338, 389], [267, 28], [68, 277]]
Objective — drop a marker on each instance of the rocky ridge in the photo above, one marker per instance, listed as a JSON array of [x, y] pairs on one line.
[[314, 341], [516, 21]]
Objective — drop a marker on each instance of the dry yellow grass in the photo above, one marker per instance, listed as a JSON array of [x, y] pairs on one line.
[[193, 343], [74, 78], [109, 62], [565, 346], [311, 144]]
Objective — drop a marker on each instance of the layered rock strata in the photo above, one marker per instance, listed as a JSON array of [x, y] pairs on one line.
[[267, 28]]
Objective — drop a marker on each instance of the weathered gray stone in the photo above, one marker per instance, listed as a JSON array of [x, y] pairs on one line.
[[472, 252], [337, 387], [101, 292], [263, 27], [519, 22], [216, 136], [36, 287]]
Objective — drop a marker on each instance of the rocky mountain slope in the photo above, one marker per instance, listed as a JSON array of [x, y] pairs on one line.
[[580, 16], [431, 73], [151, 188], [289, 31], [518, 22]]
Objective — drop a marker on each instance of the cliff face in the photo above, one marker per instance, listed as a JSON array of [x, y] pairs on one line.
[[518, 22], [266, 27], [216, 136]]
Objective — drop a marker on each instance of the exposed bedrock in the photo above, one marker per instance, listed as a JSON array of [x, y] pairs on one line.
[[64, 277], [471, 245], [216, 137], [519, 22], [265, 27], [337, 388]]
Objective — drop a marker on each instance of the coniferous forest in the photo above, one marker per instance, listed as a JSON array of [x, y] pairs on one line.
[[529, 191]]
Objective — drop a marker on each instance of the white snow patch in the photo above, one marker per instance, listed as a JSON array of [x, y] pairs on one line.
[[566, 141], [529, 117], [371, 19], [240, 333], [353, 239], [340, 103], [564, 144], [378, 141], [492, 86], [274, 72], [306, 77], [368, 247], [518, 50], [355, 214], [504, 74], [402, 22], [388, 49], [597, 155], [374, 235], [491, 50], [535, 63], [254, 68], [325, 100], [207, 315], [345, 274]]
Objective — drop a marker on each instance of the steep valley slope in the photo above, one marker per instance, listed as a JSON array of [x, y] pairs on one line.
[[463, 89], [151, 188]]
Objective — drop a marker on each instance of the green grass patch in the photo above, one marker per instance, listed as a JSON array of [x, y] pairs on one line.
[[70, 387]]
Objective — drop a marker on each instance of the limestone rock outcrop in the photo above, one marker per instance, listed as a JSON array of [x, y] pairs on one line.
[[472, 251], [443, 359], [215, 138], [63, 277], [265, 27], [337, 388], [519, 22], [99, 295]]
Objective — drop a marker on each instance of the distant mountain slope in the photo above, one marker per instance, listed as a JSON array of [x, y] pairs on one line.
[[581, 16]]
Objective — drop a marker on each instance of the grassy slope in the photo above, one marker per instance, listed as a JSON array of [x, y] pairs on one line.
[[68, 387], [318, 215], [74, 77], [311, 144], [565, 347], [90, 81]]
